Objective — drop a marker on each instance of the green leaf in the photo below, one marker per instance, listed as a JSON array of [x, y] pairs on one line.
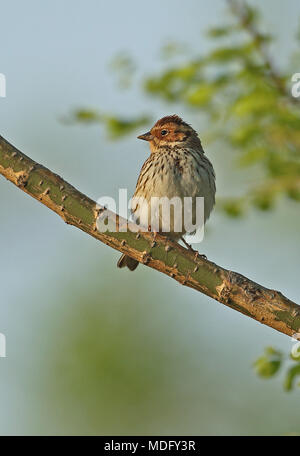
[[188, 72], [291, 376], [232, 207], [219, 32], [115, 126], [254, 103], [165, 86], [264, 200], [87, 116], [244, 134], [202, 95], [118, 127], [268, 364], [227, 54], [294, 194], [253, 155]]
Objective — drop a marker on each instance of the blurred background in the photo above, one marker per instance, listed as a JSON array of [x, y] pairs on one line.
[[96, 350]]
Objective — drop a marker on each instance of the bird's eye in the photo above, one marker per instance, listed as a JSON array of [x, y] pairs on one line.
[[164, 132]]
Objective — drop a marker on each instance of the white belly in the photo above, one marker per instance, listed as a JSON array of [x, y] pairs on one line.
[[179, 181]]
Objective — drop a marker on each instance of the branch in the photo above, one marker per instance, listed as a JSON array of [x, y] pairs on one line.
[[240, 10], [230, 288]]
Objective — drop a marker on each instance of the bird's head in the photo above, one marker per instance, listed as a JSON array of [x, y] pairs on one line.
[[171, 131]]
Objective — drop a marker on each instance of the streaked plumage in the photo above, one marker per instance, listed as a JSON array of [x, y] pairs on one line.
[[176, 167]]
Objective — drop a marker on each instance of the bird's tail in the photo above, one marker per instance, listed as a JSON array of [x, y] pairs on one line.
[[125, 260]]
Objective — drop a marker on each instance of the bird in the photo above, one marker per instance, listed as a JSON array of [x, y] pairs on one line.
[[176, 167]]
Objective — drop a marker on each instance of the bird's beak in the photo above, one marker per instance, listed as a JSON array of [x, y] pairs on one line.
[[146, 136]]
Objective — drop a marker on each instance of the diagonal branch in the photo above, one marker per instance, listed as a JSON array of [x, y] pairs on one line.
[[230, 288]]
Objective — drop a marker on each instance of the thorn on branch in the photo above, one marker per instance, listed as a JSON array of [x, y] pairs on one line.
[[146, 257], [22, 178]]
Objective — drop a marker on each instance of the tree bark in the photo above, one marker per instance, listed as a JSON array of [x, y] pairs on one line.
[[234, 290]]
